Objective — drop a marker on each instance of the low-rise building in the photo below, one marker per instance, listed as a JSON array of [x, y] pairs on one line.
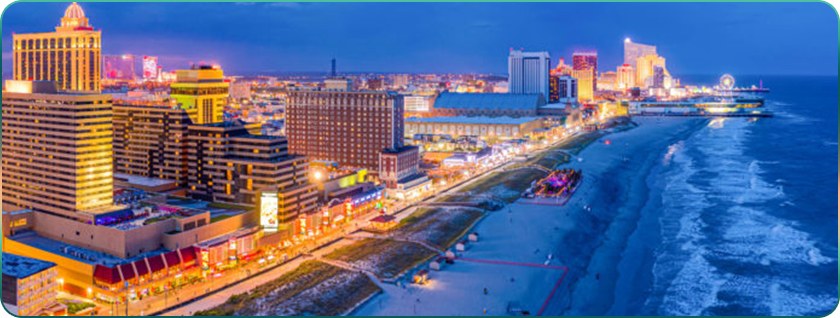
[[30, 286], [487, 104]]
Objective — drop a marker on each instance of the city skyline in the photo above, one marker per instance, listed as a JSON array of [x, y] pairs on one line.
[[477, 38]]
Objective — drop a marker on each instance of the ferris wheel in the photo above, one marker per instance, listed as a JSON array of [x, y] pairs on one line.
[[727, 82]]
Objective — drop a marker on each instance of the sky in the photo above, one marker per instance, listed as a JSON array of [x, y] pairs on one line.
[[252, 38]]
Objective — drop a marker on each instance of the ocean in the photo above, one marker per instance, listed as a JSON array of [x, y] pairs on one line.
[[742, 215]]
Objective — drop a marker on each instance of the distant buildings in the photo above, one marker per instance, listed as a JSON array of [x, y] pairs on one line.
[[57, 150], [487, 104], [585, 81], [118, 67], [481, 127], [350, 128], [417, 104], [70, 56], [633, 51], [338, 84], [29, 285], [645, 66], [567, 89], [202, 91], [150, 68], [625, 77], [607, 81], [528, 73], [586, 61]]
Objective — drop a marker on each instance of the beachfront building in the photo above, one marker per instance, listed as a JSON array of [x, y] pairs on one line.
[[487, 104], [528, 73], [30, 286], [481, 127]]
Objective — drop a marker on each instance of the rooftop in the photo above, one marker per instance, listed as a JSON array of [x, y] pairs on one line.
[[488, 101], [22, 267], [504, 120], [73, 252], [142, 181]]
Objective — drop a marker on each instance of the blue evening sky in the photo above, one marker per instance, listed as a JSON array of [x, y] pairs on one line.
[[695, 38]]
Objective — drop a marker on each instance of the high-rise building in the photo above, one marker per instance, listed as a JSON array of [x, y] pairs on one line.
[[625, 77], [562, 68], [554, 88], [70, 56], [57, 150], [350, 128], [633, 51], [567, 89], [587, 60], [645, 67], [528, 73], [658, 77], [585, 80], [150, 68], [202, 91], [150, 141], [118, 67], [228, 164]]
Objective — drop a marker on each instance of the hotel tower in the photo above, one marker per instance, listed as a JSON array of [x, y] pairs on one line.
[[70, 56]]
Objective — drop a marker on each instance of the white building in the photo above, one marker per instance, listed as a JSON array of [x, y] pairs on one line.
[[633, 51], [528, 73]]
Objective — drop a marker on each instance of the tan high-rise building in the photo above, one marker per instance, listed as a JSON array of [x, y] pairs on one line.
[[70, 56], [585, 80], [626, 76], [202, 92], [57, 150]]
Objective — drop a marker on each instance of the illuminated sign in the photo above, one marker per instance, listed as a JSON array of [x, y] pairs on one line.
[[150, 67], [268, 210]]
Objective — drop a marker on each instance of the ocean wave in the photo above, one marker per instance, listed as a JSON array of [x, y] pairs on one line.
[[726, 186], [783, 300]]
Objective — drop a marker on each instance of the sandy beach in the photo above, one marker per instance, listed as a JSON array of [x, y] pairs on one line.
[[553, 260]]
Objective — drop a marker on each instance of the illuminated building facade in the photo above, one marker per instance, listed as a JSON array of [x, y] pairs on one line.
[[57, 150], [645, 69], [607, 81], [586, 62], [398, 164], [202, 92], [70, 56], [228, 164], [633, 51], [118, 67], [528, 73], [350, 128], [150, 141], [554, 89], [585, 84], [625, 76]]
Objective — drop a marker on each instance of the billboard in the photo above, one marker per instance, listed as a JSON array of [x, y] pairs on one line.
[[150, 67], [268, 210]]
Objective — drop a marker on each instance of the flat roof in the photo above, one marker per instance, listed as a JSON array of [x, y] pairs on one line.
[[21, 267], [73, 252], [484, 120]]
